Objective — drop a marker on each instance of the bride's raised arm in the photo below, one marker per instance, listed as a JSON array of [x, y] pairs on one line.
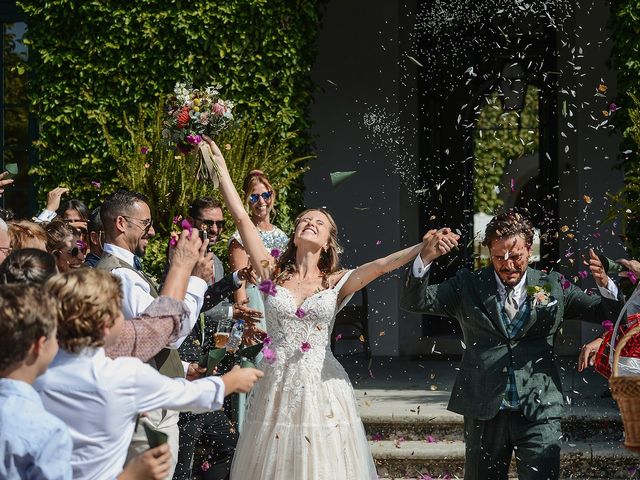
[[442, 240], [258, 255]]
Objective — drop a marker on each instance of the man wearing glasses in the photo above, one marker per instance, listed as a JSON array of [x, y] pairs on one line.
[[212, 428], [127, 224], [508, 387]]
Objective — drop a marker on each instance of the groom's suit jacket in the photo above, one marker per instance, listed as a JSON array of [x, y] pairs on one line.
[[472, 298]]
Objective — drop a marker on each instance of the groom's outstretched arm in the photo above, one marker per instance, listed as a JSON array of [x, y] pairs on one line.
[[418, 295]]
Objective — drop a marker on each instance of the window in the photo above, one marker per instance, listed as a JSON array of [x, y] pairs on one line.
[[16, 122]]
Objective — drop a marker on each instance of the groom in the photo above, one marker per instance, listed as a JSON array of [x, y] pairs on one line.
[[508, 387]]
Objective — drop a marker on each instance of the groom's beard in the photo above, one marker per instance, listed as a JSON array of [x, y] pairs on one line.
[[510, 281]]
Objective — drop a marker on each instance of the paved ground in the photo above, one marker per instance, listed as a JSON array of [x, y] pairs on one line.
[[397, 386]]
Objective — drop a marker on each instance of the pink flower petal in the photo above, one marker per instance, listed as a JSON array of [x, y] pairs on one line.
[[300, 313], [305, 347]]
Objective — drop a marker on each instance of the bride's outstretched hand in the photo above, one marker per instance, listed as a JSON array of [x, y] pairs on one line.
[[436, 243]]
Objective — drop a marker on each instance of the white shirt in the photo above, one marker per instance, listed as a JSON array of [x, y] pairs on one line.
[[419, 270], [44, 216], [136, 297], [99, 399]]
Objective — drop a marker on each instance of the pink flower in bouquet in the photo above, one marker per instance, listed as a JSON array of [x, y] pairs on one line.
[[204, 118], [305, 347], [218, 108], [194, 139], [268, 288], [607, 325], [268, 355]]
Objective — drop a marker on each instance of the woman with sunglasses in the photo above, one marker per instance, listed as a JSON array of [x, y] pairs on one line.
[[65, 243], [259, 197]]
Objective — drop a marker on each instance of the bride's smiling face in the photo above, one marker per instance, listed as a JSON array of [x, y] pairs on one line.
[[313, 229]]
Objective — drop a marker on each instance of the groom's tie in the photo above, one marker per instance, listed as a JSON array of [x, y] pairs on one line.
[[511, 303]]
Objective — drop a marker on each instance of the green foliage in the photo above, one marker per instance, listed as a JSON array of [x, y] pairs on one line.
[[115, 56], [625, 29], [501, 137], [144, 164]]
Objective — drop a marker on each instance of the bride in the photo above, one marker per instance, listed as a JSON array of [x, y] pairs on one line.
[[302, 422]]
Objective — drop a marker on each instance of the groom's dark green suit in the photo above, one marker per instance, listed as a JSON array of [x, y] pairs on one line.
[[491, 353]]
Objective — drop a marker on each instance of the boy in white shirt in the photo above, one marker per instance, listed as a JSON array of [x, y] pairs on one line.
[[100, 398]]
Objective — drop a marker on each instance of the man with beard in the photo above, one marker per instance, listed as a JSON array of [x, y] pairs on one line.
[[508, 387], [127, 223]]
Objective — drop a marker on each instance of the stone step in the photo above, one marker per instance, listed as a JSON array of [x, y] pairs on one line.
[[451, 428], [445, 459]]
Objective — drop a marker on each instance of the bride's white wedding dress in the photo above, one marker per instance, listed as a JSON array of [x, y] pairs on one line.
[[302, 421]]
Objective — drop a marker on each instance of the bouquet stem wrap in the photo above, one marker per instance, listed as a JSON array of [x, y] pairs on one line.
[[207, 169]]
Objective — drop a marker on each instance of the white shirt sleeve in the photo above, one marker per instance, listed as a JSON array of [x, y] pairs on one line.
[[236, 279], [193, 300], [419, 269], [135, 292], [153, 390], [45, 216], [611, 292]]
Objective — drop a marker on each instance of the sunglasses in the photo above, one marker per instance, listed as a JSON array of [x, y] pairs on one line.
[[210, 223], [254, 197]]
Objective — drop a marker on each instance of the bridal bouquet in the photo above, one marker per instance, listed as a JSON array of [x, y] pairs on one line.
[[192, 113]]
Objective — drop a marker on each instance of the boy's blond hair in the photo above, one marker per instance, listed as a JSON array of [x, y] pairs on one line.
[[26, 314], [89, 300]]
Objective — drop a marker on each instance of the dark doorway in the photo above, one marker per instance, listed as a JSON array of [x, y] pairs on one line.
[[510, 56]]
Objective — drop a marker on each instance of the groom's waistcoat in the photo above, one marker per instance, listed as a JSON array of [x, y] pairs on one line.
[[491, 354]]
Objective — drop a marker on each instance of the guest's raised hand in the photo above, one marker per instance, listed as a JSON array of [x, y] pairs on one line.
[[204, 266], [4, 181], [54, 197], [632, 266], [597, 270], [188, 249]]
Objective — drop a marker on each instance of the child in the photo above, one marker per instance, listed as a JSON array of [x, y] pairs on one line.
[[34, 444], [100, 398]]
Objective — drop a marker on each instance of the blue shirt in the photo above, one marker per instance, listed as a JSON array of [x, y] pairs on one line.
[[34, 444]]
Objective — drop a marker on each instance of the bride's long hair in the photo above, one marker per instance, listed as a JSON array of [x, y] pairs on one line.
[[329, 261]]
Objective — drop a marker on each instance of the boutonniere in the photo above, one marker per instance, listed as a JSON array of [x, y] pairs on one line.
[[539, 295]]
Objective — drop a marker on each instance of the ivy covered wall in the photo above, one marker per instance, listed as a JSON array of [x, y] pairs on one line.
[[112, 56], [625, 31]]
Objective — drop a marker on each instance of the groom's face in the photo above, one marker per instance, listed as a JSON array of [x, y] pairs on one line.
[[510, 258]]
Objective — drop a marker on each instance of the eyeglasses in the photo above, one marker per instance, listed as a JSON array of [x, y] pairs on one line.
[[146, 224], [210, 223], [254, 197]]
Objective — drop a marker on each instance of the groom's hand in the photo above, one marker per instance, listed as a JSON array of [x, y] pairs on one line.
[[437, 243]]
